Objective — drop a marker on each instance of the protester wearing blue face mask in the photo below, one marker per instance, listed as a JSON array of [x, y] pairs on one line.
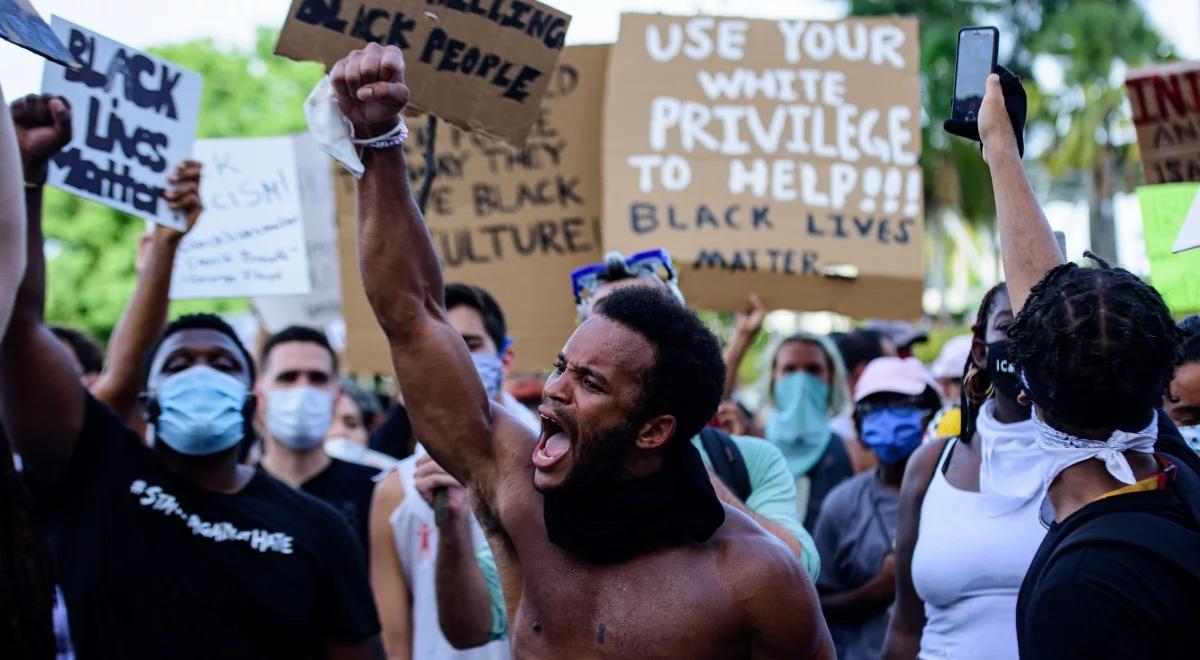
[[894, 400], [808, 389]]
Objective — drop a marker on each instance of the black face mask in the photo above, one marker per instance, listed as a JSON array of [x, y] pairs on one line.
[[628, 517], [1002, 370]]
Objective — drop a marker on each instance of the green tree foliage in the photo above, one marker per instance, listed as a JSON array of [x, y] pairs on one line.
[[91, 249]]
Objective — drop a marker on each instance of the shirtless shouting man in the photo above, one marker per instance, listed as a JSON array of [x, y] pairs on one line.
[[608, 535]]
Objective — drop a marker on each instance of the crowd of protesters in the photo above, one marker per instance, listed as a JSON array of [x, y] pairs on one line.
[[1033, 493]]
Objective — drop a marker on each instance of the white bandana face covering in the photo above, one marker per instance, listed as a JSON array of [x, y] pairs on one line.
[[1011, 459], [1064, 450]]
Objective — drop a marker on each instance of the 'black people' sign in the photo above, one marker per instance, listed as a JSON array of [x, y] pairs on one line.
[[483, 65], [21, 24], [771, 156], [134, 120]]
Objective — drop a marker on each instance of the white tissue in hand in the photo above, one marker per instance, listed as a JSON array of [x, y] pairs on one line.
[[330, 128]]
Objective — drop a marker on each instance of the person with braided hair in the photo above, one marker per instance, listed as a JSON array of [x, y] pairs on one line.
[[962, 546], [1118, 572]]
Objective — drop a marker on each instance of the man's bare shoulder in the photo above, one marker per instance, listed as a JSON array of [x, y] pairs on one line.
[[777, 599], [749, 551]]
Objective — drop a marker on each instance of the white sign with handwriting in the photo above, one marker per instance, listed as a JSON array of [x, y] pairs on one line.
[[250, 240]]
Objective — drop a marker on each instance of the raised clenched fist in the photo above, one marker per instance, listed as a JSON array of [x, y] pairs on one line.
[[43, 124], [370, 88]]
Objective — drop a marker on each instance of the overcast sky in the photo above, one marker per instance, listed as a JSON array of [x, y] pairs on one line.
[[142, 23]]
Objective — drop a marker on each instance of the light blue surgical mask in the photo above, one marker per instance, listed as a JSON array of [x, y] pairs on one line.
[[200, 411], [799, 425], [893, 433], [491, 372]]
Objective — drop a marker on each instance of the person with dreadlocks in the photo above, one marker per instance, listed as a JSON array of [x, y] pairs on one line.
[[1118, 572], [963, 545], [175, 550]]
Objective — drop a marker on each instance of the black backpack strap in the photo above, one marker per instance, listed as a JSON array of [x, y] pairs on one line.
[[726, 461], [1154, 535]]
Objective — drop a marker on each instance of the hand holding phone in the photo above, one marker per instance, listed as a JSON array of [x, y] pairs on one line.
[[976, 59], [974, 63]]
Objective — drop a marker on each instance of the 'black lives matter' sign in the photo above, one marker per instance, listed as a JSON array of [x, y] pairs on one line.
[[134, 119], [482, 65]]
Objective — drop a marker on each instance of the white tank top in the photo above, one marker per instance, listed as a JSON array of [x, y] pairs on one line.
[[415, 534], [968, 569]]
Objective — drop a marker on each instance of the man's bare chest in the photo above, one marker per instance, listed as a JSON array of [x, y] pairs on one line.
[[656, 607]]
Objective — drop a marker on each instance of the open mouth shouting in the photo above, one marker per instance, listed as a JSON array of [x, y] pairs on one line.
[[553, 444]]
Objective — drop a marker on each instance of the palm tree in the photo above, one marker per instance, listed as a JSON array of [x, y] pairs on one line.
[[1094, 41]]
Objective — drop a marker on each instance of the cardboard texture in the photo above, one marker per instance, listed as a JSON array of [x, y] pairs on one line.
[[515, 222], [1166, 113], [22, 25], [778, 157], [481, 65], [250, 239], [1164, 208], [134, 121], [323, 304]]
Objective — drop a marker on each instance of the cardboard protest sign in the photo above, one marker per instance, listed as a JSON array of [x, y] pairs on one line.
[[1166, 112], [20, 24], [1164, 208], [250, 239], [134, 121], [482, 65], [515, 222], [323, 304], [778, 157]]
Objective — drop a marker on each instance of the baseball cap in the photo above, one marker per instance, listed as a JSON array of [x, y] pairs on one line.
[[893, 375]]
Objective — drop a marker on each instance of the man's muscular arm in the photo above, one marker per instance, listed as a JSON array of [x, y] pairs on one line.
[[445, 400], [41, 397]]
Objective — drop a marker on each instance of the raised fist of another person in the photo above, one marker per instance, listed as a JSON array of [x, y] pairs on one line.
[[43, 124], [370, 88], [184, 195], [749, 320], [430, 476]]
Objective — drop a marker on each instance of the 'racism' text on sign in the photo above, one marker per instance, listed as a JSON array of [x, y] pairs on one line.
[[250, 240], [481, 65], [134, 120], [771, 156]]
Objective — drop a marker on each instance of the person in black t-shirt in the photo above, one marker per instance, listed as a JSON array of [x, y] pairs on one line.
[[296, 398], [1118, 574], [174, 550]]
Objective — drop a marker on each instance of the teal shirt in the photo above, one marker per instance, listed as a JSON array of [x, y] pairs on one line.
[[772, 496]]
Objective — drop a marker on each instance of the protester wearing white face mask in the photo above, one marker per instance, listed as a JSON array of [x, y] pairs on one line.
[[297, 393]]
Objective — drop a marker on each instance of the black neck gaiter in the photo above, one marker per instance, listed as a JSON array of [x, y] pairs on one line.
[[629, 517]]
